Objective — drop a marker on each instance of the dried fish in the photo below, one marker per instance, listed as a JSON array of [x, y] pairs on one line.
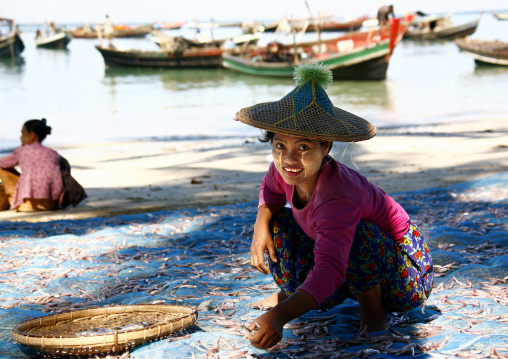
[[248, 332]]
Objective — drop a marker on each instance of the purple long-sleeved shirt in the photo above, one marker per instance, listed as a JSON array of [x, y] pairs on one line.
[[341, 199]]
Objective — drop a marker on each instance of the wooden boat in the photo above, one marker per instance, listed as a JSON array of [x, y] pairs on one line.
[[58, 40], [175, 55], [168, 25], [169, 42], [334, 25], [484, 52], [323, 23], [439, 27], [88, 32], [10, 42], [500, 15], [357, 55], [211, 24], [161, 38]]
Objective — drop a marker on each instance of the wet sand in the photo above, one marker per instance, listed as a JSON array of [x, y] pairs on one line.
[[149, 176]]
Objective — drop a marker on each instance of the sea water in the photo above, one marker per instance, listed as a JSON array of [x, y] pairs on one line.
[[427, 82]]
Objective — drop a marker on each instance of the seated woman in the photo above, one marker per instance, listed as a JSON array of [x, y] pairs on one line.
[[342, 237], [40, 185]]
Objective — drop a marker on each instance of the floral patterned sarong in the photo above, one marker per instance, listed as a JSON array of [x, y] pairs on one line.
[[403, 267]]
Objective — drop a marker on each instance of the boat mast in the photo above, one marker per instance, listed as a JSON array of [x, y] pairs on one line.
[[317, 24]]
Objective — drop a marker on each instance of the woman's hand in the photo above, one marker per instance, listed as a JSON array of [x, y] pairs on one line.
[[266, 330], [262, 239]]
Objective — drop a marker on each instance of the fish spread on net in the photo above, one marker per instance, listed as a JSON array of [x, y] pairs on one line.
[[187, 269]]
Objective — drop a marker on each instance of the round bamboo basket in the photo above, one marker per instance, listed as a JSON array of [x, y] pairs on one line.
[[103, 329]]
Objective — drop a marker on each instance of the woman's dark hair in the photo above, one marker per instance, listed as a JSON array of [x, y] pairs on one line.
[[39, 127], [268, 137]]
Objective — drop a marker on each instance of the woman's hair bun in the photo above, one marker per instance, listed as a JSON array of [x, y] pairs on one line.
[[48, 128]]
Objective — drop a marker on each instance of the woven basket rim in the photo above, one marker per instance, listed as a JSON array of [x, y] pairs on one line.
[[190, 312]]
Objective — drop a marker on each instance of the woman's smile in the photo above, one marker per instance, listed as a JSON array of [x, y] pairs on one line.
[[293, 171]]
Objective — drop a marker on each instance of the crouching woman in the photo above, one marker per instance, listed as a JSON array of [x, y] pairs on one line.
[[342, 237]]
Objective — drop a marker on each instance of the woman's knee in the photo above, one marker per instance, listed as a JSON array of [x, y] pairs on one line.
[[9, 178]]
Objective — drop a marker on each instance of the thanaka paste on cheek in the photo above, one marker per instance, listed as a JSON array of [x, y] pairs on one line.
[[280, 159], [274, 155], [303, 163]]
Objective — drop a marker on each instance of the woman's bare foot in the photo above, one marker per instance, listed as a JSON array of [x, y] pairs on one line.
[[372, 314], [373, 322], [271, 301]]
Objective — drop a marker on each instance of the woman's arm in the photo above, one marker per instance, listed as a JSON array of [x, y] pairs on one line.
[[262, 238], [270, 325], [9, 161]]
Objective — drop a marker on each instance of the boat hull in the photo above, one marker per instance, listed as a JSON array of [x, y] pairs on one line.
[[114, 58], [485, 52], [373, 67], [369, 63], [445, 34], [56, 41], [11, 45]]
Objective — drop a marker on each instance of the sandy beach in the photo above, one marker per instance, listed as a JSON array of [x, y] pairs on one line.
[[149, 176]]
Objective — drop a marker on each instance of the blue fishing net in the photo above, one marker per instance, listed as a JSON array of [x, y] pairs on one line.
[[201, 258]]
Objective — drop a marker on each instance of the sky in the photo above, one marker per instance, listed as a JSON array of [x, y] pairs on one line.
[[149, 11]]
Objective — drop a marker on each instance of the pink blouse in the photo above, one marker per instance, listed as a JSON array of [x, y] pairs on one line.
[[341, 199], [40, 173]]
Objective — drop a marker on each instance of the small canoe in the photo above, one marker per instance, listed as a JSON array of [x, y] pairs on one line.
[[58, 40], [434, 28], [484, 52]]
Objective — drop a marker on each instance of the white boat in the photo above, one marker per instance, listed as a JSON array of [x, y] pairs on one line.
[[500, 15], [58, 40]]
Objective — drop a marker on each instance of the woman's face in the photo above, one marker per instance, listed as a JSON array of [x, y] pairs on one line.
[[297, 159], [27, 137]]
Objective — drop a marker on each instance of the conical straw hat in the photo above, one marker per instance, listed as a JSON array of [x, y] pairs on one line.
[[308, 112]]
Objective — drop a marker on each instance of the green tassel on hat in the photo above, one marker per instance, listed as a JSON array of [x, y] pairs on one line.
[[313, 71]]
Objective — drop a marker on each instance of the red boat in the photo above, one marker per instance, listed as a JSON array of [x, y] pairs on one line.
[[356, 55]]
